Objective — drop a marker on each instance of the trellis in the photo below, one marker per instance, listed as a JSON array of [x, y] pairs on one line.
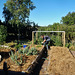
[[63, 36]]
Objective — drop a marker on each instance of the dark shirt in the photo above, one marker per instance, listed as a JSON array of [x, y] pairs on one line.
[[46, 37]]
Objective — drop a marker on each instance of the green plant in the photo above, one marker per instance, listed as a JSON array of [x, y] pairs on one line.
[[20, 51], [32, 51], [21, 59], [16, 59], [38, 41], [18, 46], [3, 34], [55, 40], [68, 45], [12, 56], [26, 50]]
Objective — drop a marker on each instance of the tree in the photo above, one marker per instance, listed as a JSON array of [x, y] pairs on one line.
[[3, 34], [7, 15], [0, 22], [20, 10], [69, 19]]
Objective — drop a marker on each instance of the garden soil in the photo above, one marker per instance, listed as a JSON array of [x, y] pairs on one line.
[[62, 62], [14, 67]]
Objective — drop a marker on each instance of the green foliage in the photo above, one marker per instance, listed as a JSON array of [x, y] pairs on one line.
[[16, 14], [69, 36], [20, 51], [69, 19], [26, 50], [55, 40], [21, 59], [68, 45], [38, 42], [32, 51], [7, 15], [20, 10], [3, 34], [18, 56], [18, 46], [14, 57]]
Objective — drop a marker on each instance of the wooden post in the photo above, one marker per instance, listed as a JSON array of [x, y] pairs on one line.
[[63, 38], [36, 35], [32, 38]]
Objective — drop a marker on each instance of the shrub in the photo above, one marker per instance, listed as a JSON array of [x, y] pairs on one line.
[[56, 41], [3, 34], [38, 41], [18, 46], [68, 45]]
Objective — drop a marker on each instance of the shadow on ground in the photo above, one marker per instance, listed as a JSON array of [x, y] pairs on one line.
[[38, 67]]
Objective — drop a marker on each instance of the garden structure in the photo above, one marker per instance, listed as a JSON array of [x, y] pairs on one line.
[[63, 35]]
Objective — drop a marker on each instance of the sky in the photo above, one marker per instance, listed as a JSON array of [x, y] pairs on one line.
[[47, 11]]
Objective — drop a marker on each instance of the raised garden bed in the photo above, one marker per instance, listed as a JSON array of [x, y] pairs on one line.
[[4, 52], [62, 62], [24, 68]]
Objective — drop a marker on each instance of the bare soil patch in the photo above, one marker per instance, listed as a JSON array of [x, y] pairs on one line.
[[61, 62]]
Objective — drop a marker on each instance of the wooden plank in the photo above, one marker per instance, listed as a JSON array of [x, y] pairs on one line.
[[48, 31], [63, 38]]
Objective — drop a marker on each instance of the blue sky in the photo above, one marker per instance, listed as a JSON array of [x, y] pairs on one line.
[[47, 11]]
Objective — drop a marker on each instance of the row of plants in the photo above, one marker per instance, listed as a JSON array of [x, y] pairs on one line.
[[19, 57]]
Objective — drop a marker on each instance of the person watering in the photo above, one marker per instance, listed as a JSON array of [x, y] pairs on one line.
[[46, 40]]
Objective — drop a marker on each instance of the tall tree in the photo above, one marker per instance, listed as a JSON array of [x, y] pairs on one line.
[[20, 10], [7, 15], [69, 19]]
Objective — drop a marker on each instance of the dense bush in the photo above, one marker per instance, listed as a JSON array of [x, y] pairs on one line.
[[56, 41], [68, 45], [70, 32], [39, 41], [3, 34]]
